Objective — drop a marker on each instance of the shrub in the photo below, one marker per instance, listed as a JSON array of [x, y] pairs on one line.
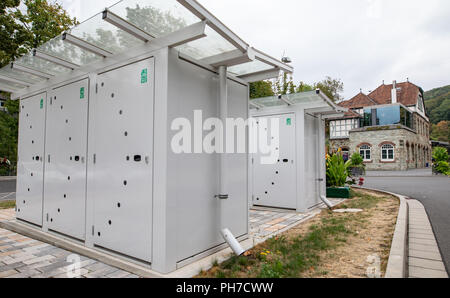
[[357, 160], [443, 167], [337, 170], [440, 154]]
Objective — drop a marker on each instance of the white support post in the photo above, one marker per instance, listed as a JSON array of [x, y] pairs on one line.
[[223, 99]]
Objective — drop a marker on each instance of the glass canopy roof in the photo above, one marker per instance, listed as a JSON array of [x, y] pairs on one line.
[[129, 24], [301, 98]]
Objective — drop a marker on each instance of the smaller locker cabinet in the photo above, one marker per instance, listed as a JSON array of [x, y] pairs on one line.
[[275, 184], [30, 168], [65, 164], [297, 180]]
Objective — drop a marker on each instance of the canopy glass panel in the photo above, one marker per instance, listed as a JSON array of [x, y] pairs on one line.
[[105, 36], [19, 75], [294, 98], [155, 17]]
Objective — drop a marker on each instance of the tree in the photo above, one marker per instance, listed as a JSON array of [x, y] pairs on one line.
[[285, 85], [261, 89], [441, 131], [20, 31], [332, 88], [24, 29]]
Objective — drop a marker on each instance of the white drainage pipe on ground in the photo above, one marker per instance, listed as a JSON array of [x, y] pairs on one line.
[[325, 200], [232, 242]]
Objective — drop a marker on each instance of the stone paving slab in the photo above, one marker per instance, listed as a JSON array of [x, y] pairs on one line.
[[425, 260], [23, 257]]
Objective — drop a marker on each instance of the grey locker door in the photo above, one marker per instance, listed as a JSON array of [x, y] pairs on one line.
[[30, 167], [312, 160], [274, 185], [122, 175], [66, 149]]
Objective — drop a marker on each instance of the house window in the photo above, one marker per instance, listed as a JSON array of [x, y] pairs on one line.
[[387, 153], [366, 152], [341, 128]]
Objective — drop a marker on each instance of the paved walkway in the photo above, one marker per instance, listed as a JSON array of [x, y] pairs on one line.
[[424, 256], [22, 256]]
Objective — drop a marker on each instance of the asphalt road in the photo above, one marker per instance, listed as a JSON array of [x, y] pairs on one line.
[[433, 192], [7, 189]]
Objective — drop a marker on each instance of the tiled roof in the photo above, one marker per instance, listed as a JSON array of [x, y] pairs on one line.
[[359, 101], [407, 94]]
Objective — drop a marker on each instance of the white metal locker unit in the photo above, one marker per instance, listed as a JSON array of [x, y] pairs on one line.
[[112, 179], [274, 184], [297, 180], [121, 180], [30, 167], [65, 164]]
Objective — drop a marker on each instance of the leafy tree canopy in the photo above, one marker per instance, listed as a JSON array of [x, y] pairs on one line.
[[285, 85], [24, 25]]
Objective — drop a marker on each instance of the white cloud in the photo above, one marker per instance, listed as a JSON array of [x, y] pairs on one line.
[[360, 42]]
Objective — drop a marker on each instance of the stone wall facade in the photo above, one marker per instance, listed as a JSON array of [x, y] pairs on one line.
[[411, 150]]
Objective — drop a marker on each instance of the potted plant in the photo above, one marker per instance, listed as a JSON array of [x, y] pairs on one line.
[[357, 167], [337, 175]]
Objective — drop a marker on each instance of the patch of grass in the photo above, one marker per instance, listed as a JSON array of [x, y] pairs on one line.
[[7, 204], [299, 254], [364, 202]]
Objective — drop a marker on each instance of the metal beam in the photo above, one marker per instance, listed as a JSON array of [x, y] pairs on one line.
[[7, 88], [215, 24], [126, 26], [255, 105], [54, 59], [182, 36], [15, 81], [286, 101], [85, 45], [261, 75], [230, 58], [272, 61], [32, 71]]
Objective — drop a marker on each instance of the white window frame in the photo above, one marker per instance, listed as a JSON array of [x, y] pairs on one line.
[[363, 152], [340, 129], [387, 148]]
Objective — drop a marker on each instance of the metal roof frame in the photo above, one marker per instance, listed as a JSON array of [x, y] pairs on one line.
[[15, 81], [31, 71], [61, 62], [126, 26], [67, 37], [242, 54], [201, 12]]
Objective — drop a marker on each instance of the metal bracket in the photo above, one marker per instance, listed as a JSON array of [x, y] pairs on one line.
[[222, 197]]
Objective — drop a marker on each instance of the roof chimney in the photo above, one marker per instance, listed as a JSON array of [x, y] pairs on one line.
[[383, 82], [394, 92]]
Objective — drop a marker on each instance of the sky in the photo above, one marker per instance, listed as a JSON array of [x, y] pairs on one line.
[[361, 42]]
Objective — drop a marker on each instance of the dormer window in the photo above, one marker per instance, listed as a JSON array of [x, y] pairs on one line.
[[420, 104]]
